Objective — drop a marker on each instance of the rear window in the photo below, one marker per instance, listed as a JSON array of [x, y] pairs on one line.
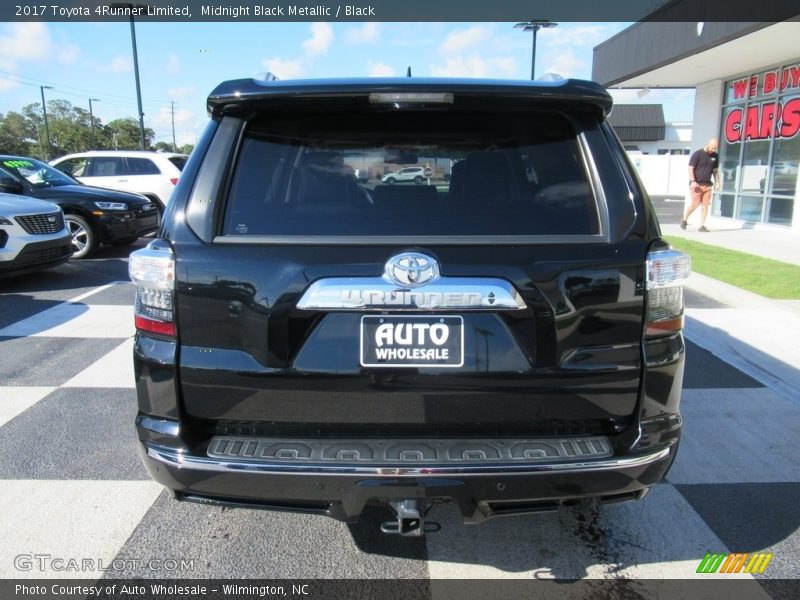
[[410, 174], [142, 166], [178, 161]]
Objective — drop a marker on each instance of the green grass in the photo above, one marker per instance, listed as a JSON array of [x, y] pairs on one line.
[[764, 276]]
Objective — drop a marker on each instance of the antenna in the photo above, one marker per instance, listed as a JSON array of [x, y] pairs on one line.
[[408, 73]]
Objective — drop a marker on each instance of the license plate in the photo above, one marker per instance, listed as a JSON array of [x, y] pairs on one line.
[[412, 341]]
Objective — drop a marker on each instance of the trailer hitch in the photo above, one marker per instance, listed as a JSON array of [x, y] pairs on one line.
[[410, 521]]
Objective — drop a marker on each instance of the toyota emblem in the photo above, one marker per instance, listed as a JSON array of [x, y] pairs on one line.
[[411, 269]]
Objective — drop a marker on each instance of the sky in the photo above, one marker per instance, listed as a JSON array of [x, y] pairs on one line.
[[183, 62]]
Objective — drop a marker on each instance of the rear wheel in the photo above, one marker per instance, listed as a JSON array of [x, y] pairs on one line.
[[418, 180], [84, 239], [391, 181]]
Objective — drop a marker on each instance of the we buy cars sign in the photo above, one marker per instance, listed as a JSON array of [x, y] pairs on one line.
[[767, 119]]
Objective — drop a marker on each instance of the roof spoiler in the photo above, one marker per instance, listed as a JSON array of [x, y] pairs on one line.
[[238, 93]]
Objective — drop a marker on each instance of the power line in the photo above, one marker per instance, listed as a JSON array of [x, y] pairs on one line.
[[36, 82]]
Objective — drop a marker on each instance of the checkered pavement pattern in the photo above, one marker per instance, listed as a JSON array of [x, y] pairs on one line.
[[72, 486]]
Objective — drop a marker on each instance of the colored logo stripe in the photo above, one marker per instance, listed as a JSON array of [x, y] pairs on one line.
[[734, 562]]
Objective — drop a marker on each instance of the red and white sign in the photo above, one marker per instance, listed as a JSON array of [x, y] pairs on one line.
[[769, 118]]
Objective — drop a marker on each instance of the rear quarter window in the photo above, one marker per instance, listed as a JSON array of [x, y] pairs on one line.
[[519, 174]]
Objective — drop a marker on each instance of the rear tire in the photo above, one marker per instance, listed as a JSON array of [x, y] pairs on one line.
[[391, 181], [418, 180], [84, 239]]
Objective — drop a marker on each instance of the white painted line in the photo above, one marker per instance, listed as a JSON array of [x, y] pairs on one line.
[[96, 290], [762, 344], [737, 435], [15, 400], [69, 519], [73, 320], [114, 370]]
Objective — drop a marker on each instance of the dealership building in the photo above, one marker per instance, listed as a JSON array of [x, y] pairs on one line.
[[746, 78]]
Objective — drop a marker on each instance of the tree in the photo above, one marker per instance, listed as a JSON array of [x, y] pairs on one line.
[[186, 149], [15, 135], [124, 134]]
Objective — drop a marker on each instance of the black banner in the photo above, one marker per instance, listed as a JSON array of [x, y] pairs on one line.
[[710, 587], [394, 11]]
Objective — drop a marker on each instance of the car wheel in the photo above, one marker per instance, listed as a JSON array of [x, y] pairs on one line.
[[418, 180], [84, 240], [125, 241], [391, 181]]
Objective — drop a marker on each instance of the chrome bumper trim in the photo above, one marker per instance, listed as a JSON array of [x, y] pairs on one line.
[[181, 460]]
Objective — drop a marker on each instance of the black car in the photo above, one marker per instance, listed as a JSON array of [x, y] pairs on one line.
[[94, 215], [510, 340]]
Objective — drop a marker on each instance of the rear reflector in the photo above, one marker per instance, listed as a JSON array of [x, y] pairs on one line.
[[151, 326], [666, 272], [174, 180]]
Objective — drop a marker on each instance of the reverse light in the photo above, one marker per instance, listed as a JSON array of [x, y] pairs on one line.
[[111, 205], [152, 269], [666, 270]]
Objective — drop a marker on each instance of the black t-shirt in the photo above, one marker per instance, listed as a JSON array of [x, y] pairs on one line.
[[704, 164]]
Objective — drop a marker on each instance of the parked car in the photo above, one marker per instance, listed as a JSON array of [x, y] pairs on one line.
[[152, 174], [406, 175], [509, 343], [93, 215], [33, 235]]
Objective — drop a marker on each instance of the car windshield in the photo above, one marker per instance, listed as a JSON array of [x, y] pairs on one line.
[[37, 173]]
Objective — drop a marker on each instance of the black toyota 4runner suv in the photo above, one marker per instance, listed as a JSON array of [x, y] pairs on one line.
[[505, 335]]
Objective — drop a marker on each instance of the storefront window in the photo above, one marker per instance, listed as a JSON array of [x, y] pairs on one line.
[[760, 146], [750, 208], [780, 211]]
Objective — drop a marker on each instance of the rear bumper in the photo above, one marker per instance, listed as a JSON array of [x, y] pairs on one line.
[[341, 490], [112, 227]]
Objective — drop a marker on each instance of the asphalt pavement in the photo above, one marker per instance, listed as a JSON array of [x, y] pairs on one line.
[[72, 486]]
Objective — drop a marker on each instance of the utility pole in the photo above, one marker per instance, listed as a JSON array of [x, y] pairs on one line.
[[138, 86], [172, 110], [534, 25], [42, 88], [91, 118]]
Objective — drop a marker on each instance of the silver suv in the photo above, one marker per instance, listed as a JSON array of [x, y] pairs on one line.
[[33, 235]]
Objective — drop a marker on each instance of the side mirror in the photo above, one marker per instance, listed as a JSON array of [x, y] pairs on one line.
[[9, 185]]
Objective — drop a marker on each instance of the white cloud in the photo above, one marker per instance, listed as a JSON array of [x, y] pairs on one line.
[[320, 40], [366, 34], [7, 84], [285, 68], [475, 65], [181, 92], [173, 64], [464, 39], [163, 119], [573, 35], [24, 41], [20, 42], [566, 64], [292, 68], [379, 69], [68, 54], [118, 64]]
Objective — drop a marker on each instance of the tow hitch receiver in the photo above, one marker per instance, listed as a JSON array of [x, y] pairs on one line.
[[410, 521]]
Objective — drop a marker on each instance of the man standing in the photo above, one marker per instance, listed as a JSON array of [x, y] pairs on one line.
[[703, 167]]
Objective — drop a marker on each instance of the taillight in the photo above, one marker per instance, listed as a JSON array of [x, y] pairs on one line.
[[174, 180], [152, 269], [666, 271]]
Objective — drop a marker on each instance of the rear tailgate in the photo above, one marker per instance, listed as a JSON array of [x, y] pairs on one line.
[[513, 205]]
